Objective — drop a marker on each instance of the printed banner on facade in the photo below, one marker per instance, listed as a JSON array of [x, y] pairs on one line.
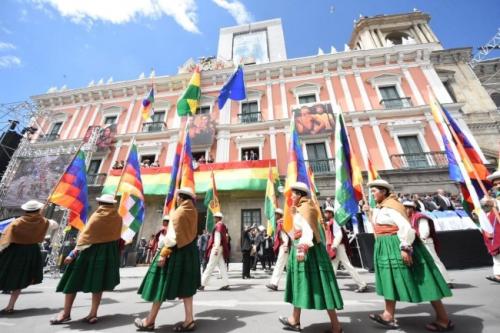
[[105, 137], [202, 129], [34, 179], [315, 119]]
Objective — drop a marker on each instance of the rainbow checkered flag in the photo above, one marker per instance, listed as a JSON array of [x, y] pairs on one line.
[[71, 192], [131, 207]]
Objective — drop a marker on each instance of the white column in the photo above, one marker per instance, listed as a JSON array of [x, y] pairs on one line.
[[270, 107], [414, 90], [94, 116], [435, 83], [364, 96], [172, 145], [129, 114], [434, 129], [223, 142], [69, 128], [420, 34], [272, 142], [284, 102], [118, 147], [329, 88], [80, 124], [380, 143], [361, 141], [136, 128], [347, 93]]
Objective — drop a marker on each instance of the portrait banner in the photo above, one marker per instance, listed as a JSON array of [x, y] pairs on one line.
[[314, 119]]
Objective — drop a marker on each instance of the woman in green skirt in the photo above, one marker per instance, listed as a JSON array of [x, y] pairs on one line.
[[93, 266], [175, 270], [20, 256], [404, 269], [311, 282]]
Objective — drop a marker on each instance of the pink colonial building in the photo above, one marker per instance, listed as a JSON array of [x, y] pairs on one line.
[[380, 82]]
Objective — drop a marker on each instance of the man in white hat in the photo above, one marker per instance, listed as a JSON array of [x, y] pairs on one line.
[[281, 247], [217, 252], [339, 248], [495, 179], [425, 230]]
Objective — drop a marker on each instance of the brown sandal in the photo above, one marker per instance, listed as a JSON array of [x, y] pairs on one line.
[[63, 320], [142, 327], [436, 327]]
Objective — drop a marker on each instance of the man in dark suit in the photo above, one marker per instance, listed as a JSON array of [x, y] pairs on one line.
[[443, 201], [246, 248]]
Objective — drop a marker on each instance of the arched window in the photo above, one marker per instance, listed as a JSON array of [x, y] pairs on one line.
[[396, 38]]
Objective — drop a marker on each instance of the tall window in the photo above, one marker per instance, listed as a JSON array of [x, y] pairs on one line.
[[390, 97], [414, 156], [56, 128], [309, 98], [110, 120], [158, 116], [318, 158], [450, 91], [203, 109], [250, 154], [250, 217], [249, 112], [94, 167]]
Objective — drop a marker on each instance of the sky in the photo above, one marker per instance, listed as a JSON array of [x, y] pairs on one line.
[[52, 43]]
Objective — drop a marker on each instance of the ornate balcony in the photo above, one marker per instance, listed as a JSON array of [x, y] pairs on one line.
[[322, 166], [429, 160], [250, 117], [396, 103], [154, 126]]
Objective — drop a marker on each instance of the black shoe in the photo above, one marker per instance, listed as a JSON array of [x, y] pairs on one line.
[[450, 285], [272, 287]]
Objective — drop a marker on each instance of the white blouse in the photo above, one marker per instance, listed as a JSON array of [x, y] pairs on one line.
[[390, 216], [425, 231], [299, 223], [170, 239], [284, 238]]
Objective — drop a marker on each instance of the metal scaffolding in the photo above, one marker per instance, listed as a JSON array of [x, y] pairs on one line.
[[485, 50]]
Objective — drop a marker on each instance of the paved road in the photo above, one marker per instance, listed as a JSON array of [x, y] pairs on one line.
[[250, 307]]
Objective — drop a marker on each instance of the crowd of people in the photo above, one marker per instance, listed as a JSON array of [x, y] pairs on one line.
[[407, 268]]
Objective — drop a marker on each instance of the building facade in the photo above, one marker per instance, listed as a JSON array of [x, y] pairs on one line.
[[381, 83]]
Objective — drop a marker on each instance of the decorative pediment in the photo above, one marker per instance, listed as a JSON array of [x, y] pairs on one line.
[[306, 88], [112, 110], [385, 79]]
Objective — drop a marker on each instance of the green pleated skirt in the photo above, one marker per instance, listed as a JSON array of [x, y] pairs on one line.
[[179, 278], [96, 269], [311, 284], [20, 266], [421, 282]]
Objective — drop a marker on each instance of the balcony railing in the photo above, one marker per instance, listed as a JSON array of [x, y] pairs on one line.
[[96, 179], [396, 103], [322, 166], [154, 126], [250, 117], [428, 160], [49, 137]]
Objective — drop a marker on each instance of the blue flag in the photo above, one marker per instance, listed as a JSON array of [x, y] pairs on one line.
[[233, 89]]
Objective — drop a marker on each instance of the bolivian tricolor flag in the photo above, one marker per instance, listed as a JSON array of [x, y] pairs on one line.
[[212, 204], [270, 203], [188, 103], [372, 175]]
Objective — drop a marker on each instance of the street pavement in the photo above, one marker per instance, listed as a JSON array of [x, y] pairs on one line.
[[250, 307]]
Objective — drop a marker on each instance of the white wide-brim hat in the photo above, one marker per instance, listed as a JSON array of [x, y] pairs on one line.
[[166, 218], [219, 214], [300, 186], [329, 209], [279, 211], [187, 191], [261, 228], [494, 176], [32, 206], [106, 198], [381, 183], [409, 204]]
